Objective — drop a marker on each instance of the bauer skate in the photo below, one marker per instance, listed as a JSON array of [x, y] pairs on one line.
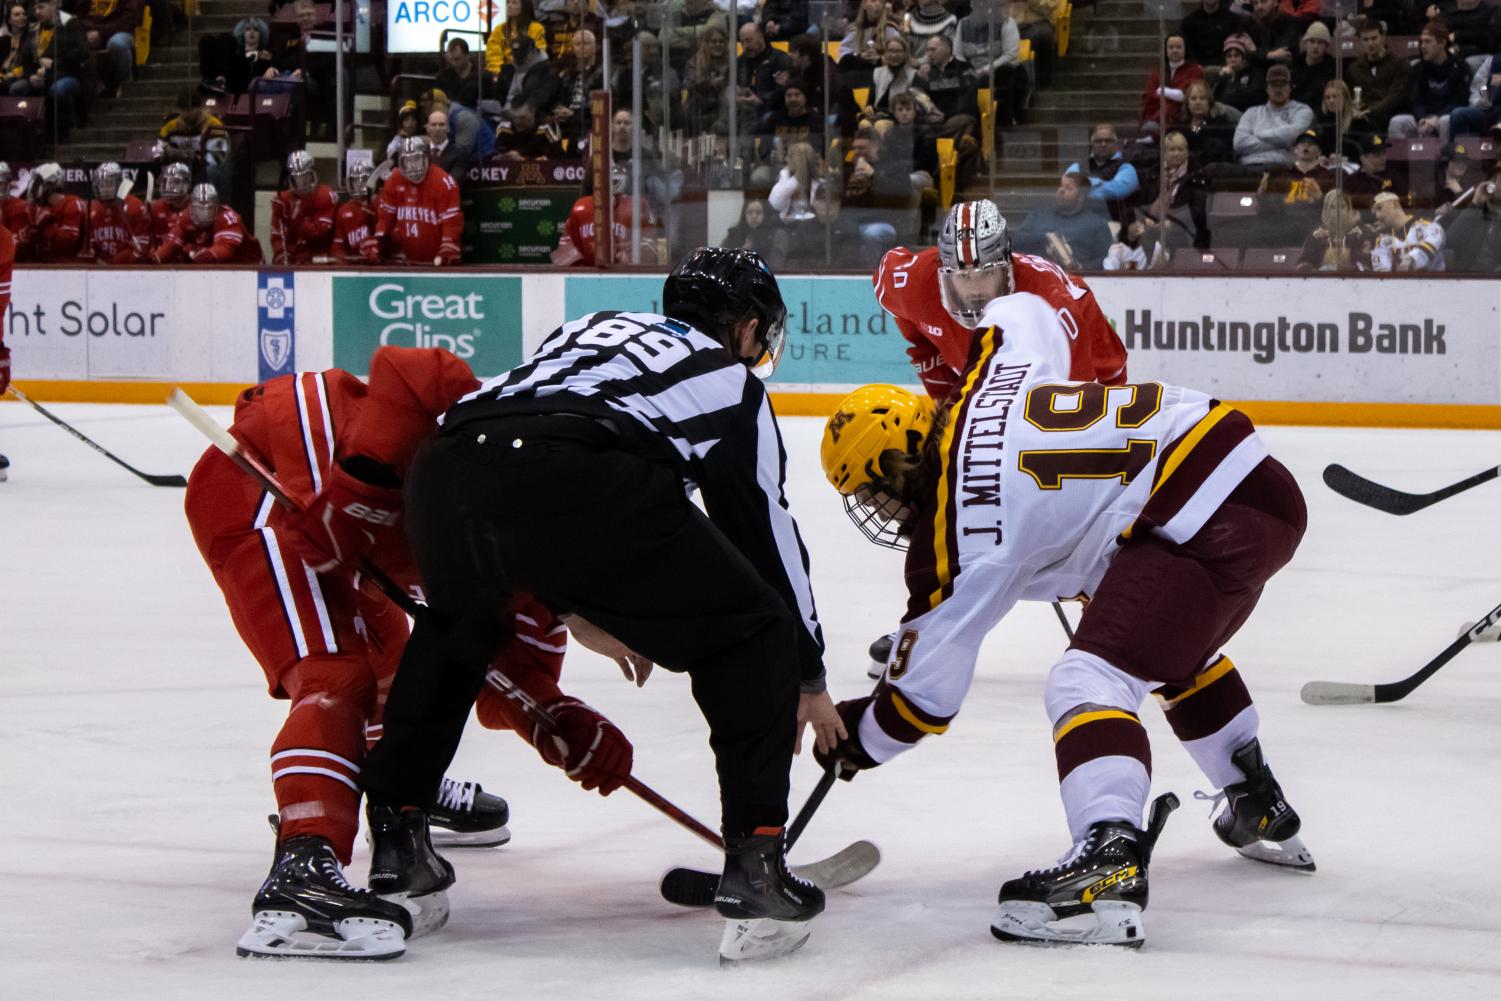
[[471, 817], [767, 908], [1093, 896], [405, 869], [306, 909], [1257, 820]]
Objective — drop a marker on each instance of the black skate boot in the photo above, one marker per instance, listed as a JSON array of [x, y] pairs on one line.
[[880, 656], [307, 909], [472, 818], [1257, 820], [767, 907], [1102, 882], [4, 469], [404, 867]]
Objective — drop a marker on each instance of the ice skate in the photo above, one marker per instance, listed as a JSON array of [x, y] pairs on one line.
[[306, 909], [1257, 820], [405, 869], [471, 817], [880, 655], [4, 469], [1095, 894], [768, 909]]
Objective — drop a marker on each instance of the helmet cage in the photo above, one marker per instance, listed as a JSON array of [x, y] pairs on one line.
[[413, 159], [357, 179], [967, 291], [203, 209], [106, 181], [880, 515], [177, 184], [301, 173]]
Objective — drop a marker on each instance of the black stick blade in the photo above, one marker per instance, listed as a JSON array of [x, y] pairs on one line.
[[689, 887], [1370, 493]]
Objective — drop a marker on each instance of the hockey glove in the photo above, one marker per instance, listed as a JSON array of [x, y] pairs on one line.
[[4, 369], [849, 755], [589, 748], [344, 521]]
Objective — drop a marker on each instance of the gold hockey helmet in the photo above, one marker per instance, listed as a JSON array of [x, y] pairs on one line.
[[872, 430]]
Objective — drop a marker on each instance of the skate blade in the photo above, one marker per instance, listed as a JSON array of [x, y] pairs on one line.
[[1112, 922], [751, 940], [284, 935], [493, 838], [429, 911], [1289, 854]]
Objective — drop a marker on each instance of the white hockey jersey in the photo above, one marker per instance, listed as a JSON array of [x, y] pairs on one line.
[[1422, 244], [1040, 481]]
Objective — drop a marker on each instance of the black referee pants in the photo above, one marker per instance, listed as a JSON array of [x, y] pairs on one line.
[[556, 507]]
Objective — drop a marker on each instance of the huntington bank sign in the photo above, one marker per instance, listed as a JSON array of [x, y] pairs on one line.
[[418, 25]]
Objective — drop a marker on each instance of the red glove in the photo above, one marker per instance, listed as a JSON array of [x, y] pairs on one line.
[[4, 369], [345, 521], [588, 747]]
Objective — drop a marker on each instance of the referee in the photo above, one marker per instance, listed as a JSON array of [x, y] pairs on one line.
[[569, 478]]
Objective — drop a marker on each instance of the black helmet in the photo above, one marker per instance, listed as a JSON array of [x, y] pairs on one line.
[[715, 288]]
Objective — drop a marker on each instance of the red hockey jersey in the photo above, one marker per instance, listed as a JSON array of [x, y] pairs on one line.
[[421, 223], [302, 229], [906, 283], [163, 218], [16, 215], [59, 231], [119, 232], [577, 245], [225, 242], [7, 258], [353, 225]]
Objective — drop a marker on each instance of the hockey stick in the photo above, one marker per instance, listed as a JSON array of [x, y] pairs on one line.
[[226, 443], [1068, 629], [1382, 498], [1339, 693], [696, 888], [170, 480]]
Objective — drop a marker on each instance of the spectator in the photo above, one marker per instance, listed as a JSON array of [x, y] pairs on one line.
[[861, 48], [53, 64], [252, 54], [990, 42], [176, 185], [1435, 87], [409, 122], [292, 62], [1314, 67], [520, 22], [631, 153], [354, 223], [1275, 33], [706, 82], [533, 79], [302, 216], [1373, 177], [1305, 12], [194, 135], [1291, 198], [109, 27], [872, 194], [931, 19], [950, 84], [1110, 179], [1073, 232], [1340, 243], [760, 230], [119, 230], [1473, 26], [794, 122], [896, 75], [560, 38], [208, 233], [909, 144], [694, 18], [1171, 205], [1475, 232], [12, 41], [449, 155], [583, 74], [1404, 242], [1335, 120], [522, 136], [1034, 20], [1128, 253], [458, 78], [1241, 84], [1485, 101], [1265, 134], [828, 238], [1209, 127], [1162, 102], [792, 195], [1205, 30], [1454, 168], [1377, 78], [812, 66], [418, 218], [784, 20], [757, 87], [657, 87], [466, 129]]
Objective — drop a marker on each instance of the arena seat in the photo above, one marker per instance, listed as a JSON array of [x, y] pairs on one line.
[[1189, 259], [1270, 259]]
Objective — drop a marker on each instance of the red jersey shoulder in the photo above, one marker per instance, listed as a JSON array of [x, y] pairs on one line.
[[1042, 277], [902, 279], [228, 217]]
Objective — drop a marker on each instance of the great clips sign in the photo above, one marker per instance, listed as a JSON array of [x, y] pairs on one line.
[[418, 25]]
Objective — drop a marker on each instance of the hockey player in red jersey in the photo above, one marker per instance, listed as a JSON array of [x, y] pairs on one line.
[[354, 223], [577, 246], [936, 297], [208, 233], [418, 217], [176, 187], [302, 217], [119, 228], [329, 641], [58, 218], [15, 214]]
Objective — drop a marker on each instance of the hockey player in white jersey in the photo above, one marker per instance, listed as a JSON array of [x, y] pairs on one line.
[[1155, 504], [1405, 242]]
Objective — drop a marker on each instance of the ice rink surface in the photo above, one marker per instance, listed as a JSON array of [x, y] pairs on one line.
[[133, 768]]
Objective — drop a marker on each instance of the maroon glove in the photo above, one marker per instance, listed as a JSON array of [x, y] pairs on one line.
[[345, 521], [588, 747], [4, 369]]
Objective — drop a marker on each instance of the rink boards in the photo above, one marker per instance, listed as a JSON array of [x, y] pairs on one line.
[[1289, 349]]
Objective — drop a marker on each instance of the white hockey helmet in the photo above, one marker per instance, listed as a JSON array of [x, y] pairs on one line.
[[357, 178], [203, 209], [177, 184], [413, 158], [107, 178], [974, 258], [302, 173], [5, 178], [45, 180]]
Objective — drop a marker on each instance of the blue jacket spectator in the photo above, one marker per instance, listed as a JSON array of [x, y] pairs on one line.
[[1111, 179], [1073, 232]]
